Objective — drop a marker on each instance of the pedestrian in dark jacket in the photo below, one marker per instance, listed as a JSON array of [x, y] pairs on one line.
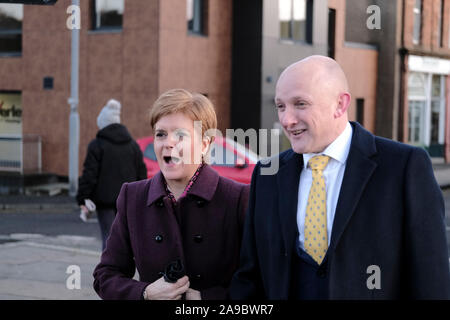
[[181, 229], [112, 159]]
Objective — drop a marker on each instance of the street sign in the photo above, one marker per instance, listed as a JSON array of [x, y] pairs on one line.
[[45, 2]]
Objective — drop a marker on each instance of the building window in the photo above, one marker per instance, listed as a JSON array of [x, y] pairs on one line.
[[107, 14], [331, 32], [417, 21], [360, 111], [197, 16], [11, 16], [296, 19], [441, 25]]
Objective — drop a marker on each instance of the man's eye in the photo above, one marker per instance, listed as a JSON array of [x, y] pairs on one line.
[[300, 103], [160, 134], [279, 106]]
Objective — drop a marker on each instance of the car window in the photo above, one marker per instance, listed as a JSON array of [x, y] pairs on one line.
[[150, 152], [223, 157]]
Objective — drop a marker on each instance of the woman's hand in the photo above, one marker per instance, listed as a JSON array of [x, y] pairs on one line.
[[163, 290], [84, 209], [192, 294]]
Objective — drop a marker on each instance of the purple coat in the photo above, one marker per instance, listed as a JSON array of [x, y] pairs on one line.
[[146, 235]]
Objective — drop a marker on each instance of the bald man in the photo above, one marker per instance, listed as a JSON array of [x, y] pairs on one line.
[[348, 215]]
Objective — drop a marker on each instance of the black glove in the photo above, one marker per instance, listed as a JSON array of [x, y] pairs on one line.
[[174, 271]]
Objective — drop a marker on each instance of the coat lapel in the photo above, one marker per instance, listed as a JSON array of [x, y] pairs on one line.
[[288, 179], [358, 170]]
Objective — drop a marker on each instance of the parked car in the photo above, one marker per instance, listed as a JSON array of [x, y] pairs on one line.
[[228, 158]]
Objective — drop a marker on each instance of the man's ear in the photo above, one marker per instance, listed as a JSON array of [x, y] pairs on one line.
[[343, 104]]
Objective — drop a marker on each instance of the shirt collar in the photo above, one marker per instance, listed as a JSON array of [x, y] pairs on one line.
[[188, 187], [337, 150], [204, 187]]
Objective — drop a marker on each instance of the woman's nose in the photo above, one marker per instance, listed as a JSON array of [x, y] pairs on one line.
[[170, 142]]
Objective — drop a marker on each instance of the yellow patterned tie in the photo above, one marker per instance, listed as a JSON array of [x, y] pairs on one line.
[[316, 239]]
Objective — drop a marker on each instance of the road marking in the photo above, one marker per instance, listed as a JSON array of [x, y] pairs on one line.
[[54, 247]]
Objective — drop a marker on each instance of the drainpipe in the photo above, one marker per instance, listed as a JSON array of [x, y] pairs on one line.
[[74, 118]]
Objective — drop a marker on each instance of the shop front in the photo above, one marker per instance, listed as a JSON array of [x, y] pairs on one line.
[[11, 131], [427, 104]]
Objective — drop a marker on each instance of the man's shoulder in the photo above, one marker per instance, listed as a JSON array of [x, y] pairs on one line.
[[370, 144], [388, 147], [282, 158]]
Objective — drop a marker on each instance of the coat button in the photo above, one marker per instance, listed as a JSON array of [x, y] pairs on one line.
[[198, 238], [321, 273], [160, 204], [198, 276], [200, 203], [159, 238]]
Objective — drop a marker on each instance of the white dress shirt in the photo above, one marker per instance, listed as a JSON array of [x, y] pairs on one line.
[[333, 174]]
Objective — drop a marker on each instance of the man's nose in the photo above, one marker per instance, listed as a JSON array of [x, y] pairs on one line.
[[288, 118]]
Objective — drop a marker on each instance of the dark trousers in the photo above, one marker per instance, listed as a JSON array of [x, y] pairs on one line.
[[105, 220]]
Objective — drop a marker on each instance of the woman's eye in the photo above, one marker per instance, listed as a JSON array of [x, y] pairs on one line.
[[181, 135], [160, 134]]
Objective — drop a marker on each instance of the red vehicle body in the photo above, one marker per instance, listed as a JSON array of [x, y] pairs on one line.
[[228, 158]]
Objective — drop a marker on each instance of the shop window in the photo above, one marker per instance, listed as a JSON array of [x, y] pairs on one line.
[[437, 109], [11, 131], [107, 14], [426, 101], [296, 20], [417, 103], [11, 16]]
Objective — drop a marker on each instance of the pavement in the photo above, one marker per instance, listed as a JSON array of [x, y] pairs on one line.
[[35, 267]]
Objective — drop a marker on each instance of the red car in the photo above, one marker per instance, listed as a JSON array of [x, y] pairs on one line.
[[237, 162]]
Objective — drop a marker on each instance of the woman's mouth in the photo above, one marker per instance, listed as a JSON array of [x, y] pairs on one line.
[[171, 160]]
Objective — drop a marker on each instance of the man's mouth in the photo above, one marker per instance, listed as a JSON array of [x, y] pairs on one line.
[[296, 133], [171, 160]]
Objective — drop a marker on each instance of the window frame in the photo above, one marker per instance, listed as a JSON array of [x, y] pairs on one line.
[[309, 23], [417, 18], [13, 32], [200, 18], [102, 29]]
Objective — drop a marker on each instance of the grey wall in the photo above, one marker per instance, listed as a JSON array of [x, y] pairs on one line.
[[387, 40]]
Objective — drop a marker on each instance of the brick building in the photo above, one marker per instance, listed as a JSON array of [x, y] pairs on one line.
[[425, 51], [413, 103], [129, 50]]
